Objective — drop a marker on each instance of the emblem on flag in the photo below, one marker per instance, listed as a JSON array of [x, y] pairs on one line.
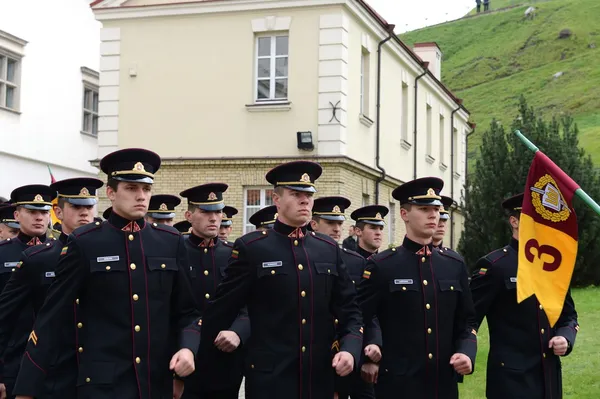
[[367, 274], [64, 251]]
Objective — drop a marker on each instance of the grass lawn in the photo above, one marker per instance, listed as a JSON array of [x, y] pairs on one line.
[[581, 369]]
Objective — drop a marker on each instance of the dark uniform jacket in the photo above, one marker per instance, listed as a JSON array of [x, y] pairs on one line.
[[520, 364], [14, 330], [27, 287], [292, 281], [422, 300], [207, 265], [134, 294]]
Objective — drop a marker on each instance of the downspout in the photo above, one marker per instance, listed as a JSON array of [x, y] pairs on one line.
[[472, 126], [451, 210], [390, 29], [425, 65]]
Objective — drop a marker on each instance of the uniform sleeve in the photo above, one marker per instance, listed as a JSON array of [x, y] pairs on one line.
[[370, 290], [71, 272], [350, 328], [373, 333], [465, 336], [184, 311], [485, 286], [241, 325], [567, 325], [13, 299]]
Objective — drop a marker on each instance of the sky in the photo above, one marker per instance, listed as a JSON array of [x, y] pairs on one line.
[[414, 14]]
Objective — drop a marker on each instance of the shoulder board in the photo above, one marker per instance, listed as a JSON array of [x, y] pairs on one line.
[[39, 248], [254, 236], [351, 252], [86, 229], [496, 255], [165, 228], [228, 244], [7, 241], [324, 238], [450, 254], [383, 255]]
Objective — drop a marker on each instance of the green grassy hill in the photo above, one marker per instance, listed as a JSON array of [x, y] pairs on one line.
[[491, 59]]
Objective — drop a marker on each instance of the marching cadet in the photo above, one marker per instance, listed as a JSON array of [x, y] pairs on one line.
[[440, 231], [227, 222], [134, 297], [369, 228], [291, 279], [264, 219], [106, 213], [207, 258], [184, 227], [162, 209], [328, 218], [32, 205], [28, 284], [422, 300], [9, 227], [524, 356]]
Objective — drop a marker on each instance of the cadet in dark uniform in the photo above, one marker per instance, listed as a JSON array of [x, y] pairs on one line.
[[369, 228], [183, 227], [227, 222], [28, 284], [291, 279], [328, 218], [440, 232], [207, 259], [9, 227], [106, 213], [524, 356], [422, 300], [162, 209], [32, 204], [134, 297], [264, 219]]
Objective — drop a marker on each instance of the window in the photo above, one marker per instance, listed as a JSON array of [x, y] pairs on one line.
[[255, 199], [365, 60], [271, 68], [365, 199], [404, 133], [90, 111], [392, 223], [9, 82], [442, 139], [429, 122], [457, 150]]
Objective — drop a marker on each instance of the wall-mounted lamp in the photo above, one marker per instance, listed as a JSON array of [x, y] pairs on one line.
[[305, 141]]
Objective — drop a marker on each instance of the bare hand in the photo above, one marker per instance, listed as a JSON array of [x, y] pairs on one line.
[[559, 345], [343, 363], [2, 391], [178, 387], [369, 372], [18, 397], [182, 363], [227, 341], [373, 352], [461, 363]]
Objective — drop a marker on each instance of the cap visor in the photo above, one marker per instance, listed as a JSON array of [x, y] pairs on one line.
[[162, 215], [37, 207], [82, 201], [334, 218], [374, 222], [212, 207], [306, 189], [134, 179], [444, 216], [13, 225], [427, 202], [226, 223]]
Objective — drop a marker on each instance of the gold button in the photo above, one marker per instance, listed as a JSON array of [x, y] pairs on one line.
[[207, 295], [296, 242], [79, 325], [205, 250], [303, 294], [403, 288], [423, 259], [429, 331], [206, 272], [424, 282], [77, 301], [88, 379], [48, 244], [543, 331], [135, 297], [251, 366], [14, 270], [300, 267], [130, 237], [451, 288], [107, 267], [163, 266], [336, 321], [393, 249], [80, 349], [431, 355], [154, 224], [264, 233], [303, 321], [304, 349], [541, 307], [544, 355], [428, 306], [132, 266], [502, 364], [272, 271], [505, 250], [97, 223], [353, 282], [138, 360], [329, 271], [137, 328]]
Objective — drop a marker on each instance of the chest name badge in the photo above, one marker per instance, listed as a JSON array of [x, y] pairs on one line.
[[102, 259], [272, 264], [50, 274], [11, 264], [513, 279], [404, 281]]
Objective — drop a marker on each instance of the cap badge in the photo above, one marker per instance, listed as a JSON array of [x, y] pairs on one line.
[[336, 209], [163, 207], [431, 192], [378, 216], [305, 178], [212, 196], [139, 167], [84, 192], [38, 198], [442, 209]]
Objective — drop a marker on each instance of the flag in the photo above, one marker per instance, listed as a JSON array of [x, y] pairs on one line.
[[54, 201], [547, 236]]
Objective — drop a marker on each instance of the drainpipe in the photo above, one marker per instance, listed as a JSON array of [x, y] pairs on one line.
[[425, 65], [452, 170], [390, 30], [472, 126]]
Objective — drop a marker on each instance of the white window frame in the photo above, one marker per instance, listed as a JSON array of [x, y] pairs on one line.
[[404, 115], [90, 82], [442, 143], [366, 199], [247, 226], [428, 130], [392, 223], [5, 56], [272, 65], [365, 59]]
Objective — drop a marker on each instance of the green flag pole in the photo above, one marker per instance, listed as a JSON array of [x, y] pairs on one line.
[[579, 192]]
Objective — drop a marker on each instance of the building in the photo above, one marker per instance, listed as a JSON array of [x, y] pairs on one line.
[[48, 92], [224, 90]]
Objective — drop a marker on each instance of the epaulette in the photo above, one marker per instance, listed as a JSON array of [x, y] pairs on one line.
[[7, 241], [496, 255], [31, 251], [324, 237], [451, 254], [351, 252], [254, 236], [78, 232], [165, 228], [228, 244], [384, 254]]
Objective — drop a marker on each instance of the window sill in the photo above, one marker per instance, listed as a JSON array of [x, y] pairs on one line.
[[268, 106], [14, 111], [89, 134], [456, 175], [405, 144], [443, 166], [365, 120], [429, 159]]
